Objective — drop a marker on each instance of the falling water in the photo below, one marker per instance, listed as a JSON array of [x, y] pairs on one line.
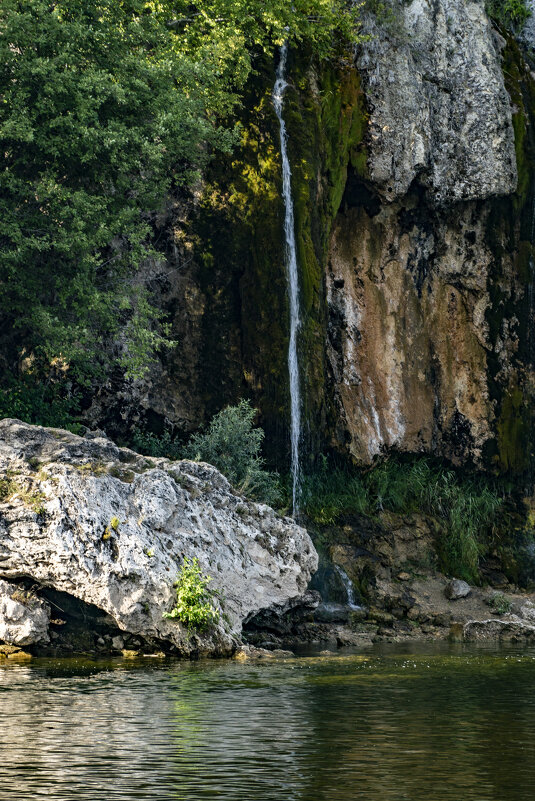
[[348, 584], [293, 280]]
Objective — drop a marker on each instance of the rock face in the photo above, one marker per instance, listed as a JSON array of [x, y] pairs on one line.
[[412, 175], [24, 618], [111, 528], [425, 350], [440, 113]]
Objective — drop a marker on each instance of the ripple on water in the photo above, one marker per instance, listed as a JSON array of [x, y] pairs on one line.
[[422, 724]]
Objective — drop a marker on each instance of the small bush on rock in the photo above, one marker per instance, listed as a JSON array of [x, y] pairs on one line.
[[194, 605], [232, 444]]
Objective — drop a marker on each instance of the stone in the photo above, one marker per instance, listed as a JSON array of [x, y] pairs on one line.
[[128, 653], [513, 629], [331, 613], [404, 576], [437, 98], [380, 616], [456, 589], [24, 618], [256, 559], [117, 643]]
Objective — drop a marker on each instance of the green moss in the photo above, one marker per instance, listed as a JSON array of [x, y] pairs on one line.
[[240, 230], [513, 431], [509, 235]]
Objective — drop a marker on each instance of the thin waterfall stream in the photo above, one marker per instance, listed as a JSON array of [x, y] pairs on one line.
[[293, 281], [348, 584]]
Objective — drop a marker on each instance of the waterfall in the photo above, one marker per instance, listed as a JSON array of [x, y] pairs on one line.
[[293, 281], [348, 584]]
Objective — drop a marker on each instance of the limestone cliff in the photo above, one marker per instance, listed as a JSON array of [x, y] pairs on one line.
[[412, 172]]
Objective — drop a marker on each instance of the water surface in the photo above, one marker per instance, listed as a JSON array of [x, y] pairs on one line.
[[421, 723]]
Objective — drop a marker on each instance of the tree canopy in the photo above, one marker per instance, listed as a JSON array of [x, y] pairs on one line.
[[105, 107]]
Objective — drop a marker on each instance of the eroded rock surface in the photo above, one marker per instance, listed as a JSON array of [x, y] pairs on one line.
[[24, 618], [111, 528], [440, 112]]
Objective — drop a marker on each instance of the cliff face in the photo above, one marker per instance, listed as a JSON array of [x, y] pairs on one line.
[[412, 170]]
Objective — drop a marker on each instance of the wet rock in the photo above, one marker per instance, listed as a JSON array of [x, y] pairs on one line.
[[78, 528], [24, 618], [14, 653], [513, 629], [248, 652], [456, 589], [332, 613]]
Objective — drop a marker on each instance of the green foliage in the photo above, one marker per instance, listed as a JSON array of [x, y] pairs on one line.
[[500, 604], [50, 404], [194, 605], [159, 445], [108, 108], [468, 507], [511, 14], [232, 444]]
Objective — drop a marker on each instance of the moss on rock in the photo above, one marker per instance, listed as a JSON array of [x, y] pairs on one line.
[[240, 250]]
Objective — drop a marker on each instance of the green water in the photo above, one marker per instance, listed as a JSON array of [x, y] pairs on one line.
[[441, 723]]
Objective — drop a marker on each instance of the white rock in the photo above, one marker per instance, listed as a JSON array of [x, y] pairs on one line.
[[24, 618], [58, 530], [439, 110], [457, 588]]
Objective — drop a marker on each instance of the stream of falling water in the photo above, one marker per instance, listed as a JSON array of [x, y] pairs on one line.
[[348, 584], [293, 281]]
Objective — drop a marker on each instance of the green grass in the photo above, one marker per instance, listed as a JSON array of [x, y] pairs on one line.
[[467, 506]]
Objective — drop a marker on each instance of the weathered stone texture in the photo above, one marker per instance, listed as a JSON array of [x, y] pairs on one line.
[[57, 528], [440, 113]]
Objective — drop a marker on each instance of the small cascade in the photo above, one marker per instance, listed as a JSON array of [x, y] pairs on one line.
[[348, 584], [293, 282]]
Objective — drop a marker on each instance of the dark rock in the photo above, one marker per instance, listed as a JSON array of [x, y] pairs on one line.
[[332, 613]]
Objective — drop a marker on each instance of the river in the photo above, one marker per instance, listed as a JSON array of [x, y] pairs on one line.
[[415, 723]]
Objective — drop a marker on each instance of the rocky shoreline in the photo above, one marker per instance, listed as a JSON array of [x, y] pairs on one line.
[[92, 537]]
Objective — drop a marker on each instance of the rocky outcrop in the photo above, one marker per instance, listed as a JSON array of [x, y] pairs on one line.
[[24, 618], [111, 528], [412, 174], [439, 111], [514, 629], [426, 273]]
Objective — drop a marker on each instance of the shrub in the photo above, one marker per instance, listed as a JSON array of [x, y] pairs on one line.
[[194, 605], [232, 444], [150, 444], [511, 14], [500, 604]]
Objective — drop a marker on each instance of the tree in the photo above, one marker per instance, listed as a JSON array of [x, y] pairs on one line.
[[107, 107]]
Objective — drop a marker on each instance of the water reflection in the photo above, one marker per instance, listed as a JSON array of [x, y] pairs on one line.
[[392, 724]]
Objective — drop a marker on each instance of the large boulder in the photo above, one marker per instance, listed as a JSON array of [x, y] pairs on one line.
[[111, 528]]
